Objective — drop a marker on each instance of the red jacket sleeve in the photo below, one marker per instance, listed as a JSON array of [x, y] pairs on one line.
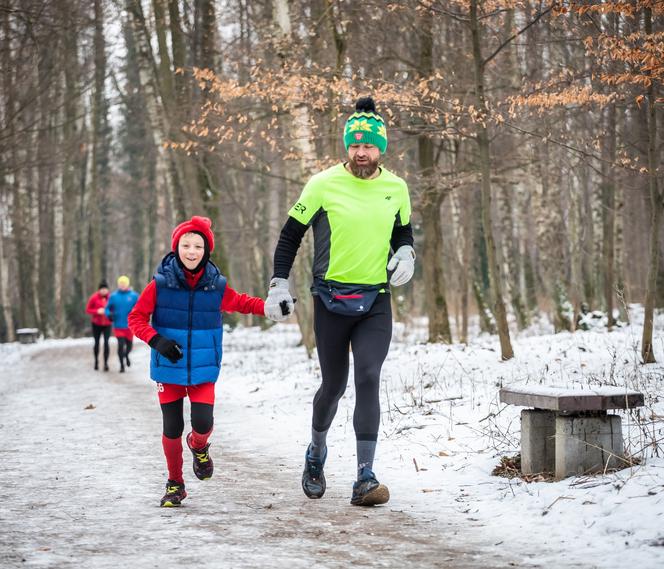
[[92, 307], [243, 303], [139, 317]]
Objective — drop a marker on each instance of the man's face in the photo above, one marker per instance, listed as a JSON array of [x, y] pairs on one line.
[[103, 291], [123, 286], [191, 249], [363, 160]]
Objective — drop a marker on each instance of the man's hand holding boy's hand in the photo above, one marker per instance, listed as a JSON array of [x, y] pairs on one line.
[[166, 347], [278, 295]]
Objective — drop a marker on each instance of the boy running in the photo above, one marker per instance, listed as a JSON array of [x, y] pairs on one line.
[[179, 316]]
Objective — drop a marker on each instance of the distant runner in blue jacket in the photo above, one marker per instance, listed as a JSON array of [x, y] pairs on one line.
[[119, 306]]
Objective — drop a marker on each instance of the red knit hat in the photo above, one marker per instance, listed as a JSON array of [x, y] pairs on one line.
[[197, 223]]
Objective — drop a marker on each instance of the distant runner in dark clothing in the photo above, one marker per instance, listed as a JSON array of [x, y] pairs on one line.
[[101, 325]]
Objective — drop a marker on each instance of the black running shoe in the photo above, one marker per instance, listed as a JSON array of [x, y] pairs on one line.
[[203, 467], [367, 491], [127, 360], [175, 493], [313, 479]]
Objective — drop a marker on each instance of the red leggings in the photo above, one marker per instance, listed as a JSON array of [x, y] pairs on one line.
[[171, 398]]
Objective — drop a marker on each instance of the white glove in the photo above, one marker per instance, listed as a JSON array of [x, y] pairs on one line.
[[403, 265], [278, 295]]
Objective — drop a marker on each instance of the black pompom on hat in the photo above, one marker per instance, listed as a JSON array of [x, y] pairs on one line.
[[366, 105]]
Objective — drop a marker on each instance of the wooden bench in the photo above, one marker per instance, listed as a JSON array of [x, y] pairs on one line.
[[569, 431], [27, 335]]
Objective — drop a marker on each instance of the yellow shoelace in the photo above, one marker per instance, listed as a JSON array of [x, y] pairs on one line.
[[202, 456]]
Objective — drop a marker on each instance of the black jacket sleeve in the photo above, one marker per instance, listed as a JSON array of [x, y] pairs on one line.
[[401, 235], [289, 242]]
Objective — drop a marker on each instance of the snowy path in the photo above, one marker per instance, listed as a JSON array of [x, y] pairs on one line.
[[80, 487]]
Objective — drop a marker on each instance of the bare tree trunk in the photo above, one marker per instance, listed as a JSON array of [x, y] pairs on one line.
[[485, 167], [587, 239], [434, 280], [20, 206], [208, 185], [466, 263], [429, 206], [95, 193], [487, 322], [47, 175], [300, 123], [657, 206], [63, 139], [508, 192], [609, 211], [463, 238], [575, 285], [512, 259], [185, 201], [64, 190], [157, 117], [5, 298], [619, 249]]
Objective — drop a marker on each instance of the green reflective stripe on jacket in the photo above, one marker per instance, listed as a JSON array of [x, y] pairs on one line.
[[352, 221]]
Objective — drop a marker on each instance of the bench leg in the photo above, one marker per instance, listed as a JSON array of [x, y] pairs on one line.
[[538, 429], [587, 444]]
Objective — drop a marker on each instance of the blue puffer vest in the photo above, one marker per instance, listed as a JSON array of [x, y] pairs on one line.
[[191, 317]]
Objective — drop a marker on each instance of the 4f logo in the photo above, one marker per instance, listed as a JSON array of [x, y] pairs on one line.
[[300, 208]]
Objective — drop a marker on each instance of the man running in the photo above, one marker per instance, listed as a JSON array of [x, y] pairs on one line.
[[359, 212]]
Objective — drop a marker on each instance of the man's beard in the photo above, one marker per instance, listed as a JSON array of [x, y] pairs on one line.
[[365, 171]]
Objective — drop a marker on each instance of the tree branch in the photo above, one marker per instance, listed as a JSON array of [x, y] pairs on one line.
[[517, 34]]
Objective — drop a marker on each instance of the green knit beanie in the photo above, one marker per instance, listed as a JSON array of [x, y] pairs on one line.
[[366, 126]]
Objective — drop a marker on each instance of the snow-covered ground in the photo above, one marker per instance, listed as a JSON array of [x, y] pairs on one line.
[[443, 431]]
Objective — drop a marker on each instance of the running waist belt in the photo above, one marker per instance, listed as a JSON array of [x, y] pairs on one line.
[[347, 299]]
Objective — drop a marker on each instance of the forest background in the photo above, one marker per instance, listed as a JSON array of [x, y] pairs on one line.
[[529, 133]]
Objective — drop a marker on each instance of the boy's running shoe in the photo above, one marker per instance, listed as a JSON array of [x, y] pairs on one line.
[[203, 466], [313, 479], [175, 493], [367, 491]]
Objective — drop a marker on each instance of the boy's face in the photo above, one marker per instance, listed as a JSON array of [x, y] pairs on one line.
[[191, 249]]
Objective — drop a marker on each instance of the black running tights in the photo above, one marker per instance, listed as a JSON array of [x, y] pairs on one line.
[[124, 347], [97, 332], [173, 416], [369, 336]]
